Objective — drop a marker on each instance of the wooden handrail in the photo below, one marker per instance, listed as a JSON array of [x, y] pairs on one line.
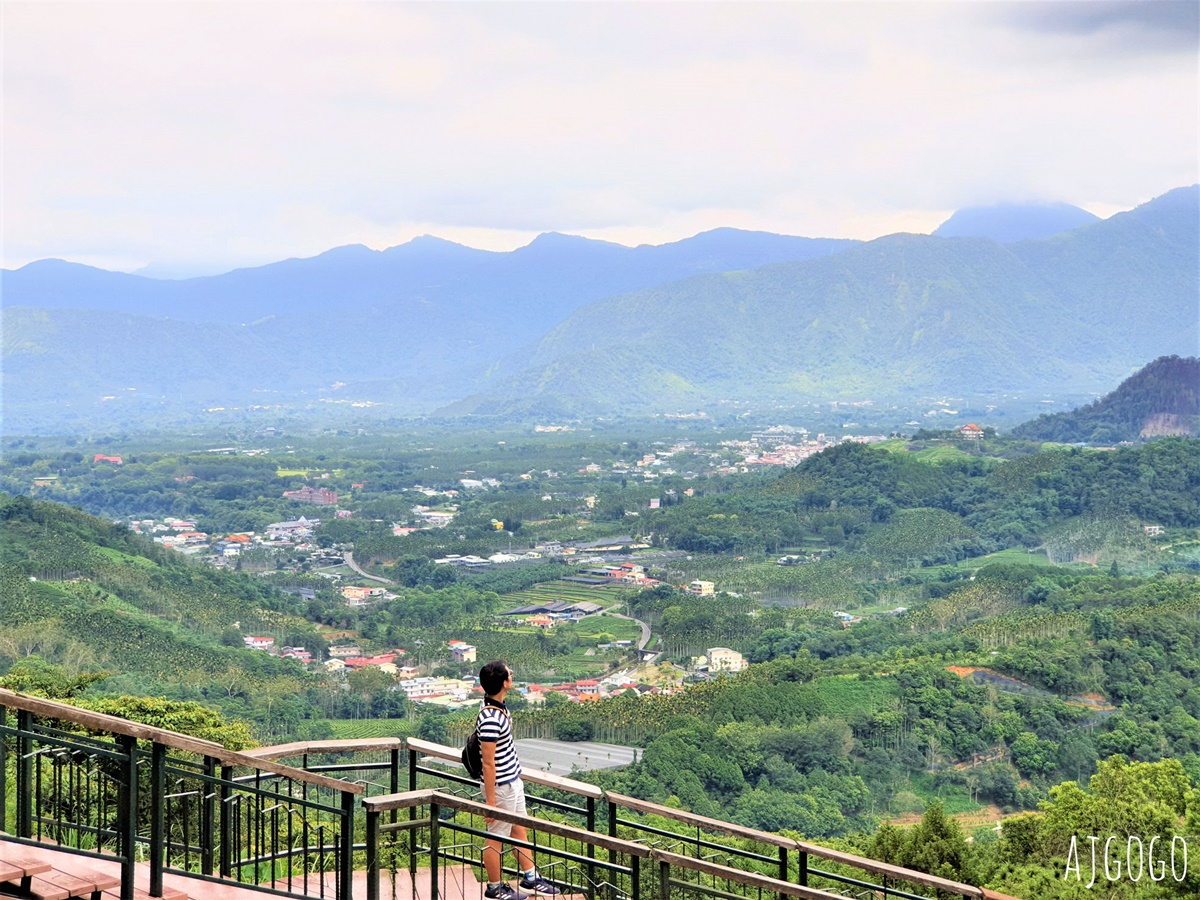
[[348, 745], [778, 840], [546, 779], [409, 799], [682, 815], [891, 871], [753, 879], [94, 721]]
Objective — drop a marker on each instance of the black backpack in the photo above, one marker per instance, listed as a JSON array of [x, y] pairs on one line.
[[472, 754]]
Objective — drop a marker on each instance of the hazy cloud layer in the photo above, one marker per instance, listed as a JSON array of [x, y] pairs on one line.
[[206, 135]]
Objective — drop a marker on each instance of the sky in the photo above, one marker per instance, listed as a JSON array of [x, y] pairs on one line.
[[184, 138]]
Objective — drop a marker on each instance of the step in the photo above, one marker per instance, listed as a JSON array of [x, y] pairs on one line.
[[19, 871], [59, 885], [79, 882], [139, 894], [55, 875]]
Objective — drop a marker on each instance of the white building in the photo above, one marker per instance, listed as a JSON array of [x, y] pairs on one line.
[[722, 659]]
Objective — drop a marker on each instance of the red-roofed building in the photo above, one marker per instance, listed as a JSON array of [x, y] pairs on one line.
[[100, 457], [971, 432], [361, 662]]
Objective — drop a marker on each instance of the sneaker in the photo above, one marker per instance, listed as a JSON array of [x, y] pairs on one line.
[[505, 891], [538, 885]]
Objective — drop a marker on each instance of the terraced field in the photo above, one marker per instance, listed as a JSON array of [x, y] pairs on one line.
[[606, 595]]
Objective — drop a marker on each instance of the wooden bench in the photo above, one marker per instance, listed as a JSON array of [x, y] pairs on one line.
[[20, 871], [32, 876], [139, 894]]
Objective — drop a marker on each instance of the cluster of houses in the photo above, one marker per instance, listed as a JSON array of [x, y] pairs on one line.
[[313, 496], [181, 534], [554, 610], [362, 595]]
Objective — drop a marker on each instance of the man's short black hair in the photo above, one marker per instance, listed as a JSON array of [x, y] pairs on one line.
[[492, 677]]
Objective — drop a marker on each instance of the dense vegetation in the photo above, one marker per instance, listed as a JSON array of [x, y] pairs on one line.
[[1015, 625], [1162, 398]]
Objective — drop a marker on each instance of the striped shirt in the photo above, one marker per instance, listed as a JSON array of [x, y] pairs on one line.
[[495, 727]]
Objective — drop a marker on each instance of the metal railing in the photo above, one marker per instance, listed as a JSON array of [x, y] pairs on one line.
[[703, 852], [100, 786]]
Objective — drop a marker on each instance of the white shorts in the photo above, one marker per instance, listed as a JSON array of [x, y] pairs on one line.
[[510, 798]]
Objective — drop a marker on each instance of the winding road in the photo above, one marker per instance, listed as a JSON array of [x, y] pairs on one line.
[[348, 558]]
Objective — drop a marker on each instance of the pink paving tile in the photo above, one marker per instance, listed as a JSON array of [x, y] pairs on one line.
[[454, 883]]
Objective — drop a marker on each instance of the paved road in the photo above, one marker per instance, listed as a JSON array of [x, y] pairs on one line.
[[348, 556], [559, 757], [645, 639]]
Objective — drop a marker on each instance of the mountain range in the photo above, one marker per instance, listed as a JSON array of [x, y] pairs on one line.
[[569, 325]]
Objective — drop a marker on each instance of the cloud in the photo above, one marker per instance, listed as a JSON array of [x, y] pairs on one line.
[[1140, 26], [198, 132]]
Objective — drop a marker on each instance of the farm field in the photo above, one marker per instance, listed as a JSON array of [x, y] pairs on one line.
[[355, 729], [845, 695], [606, 595]]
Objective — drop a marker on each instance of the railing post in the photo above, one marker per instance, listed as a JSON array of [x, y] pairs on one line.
[[635, 872], [373, 854], [394, 783], [783, 868], [24, 773], [434, 835], [664, 881], [225, 804], [591, 848], [208, 816], [412, 817], [3, 770], [346, 869], [158, 791], [612, 832], [804, 868], [127, 804]]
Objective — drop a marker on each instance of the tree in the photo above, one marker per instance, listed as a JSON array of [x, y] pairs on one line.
[[33, 675], [937, 846], [433, 729], [573, 730]]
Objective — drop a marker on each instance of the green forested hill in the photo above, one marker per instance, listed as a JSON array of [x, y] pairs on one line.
[[1162, 398], [73, 586], [856, 489]]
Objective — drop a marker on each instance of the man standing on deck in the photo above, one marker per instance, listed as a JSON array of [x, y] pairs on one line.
[[503, 788]]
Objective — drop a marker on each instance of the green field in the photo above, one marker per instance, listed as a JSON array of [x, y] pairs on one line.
[[353, 729], [845, 695], [606, 595]]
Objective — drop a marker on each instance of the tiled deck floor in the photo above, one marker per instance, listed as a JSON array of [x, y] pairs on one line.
[[454, 883]]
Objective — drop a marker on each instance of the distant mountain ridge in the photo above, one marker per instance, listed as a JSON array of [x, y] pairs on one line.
[[1007, 223], [1163, 398], [902, 314], [550, 276], [568, 325]]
